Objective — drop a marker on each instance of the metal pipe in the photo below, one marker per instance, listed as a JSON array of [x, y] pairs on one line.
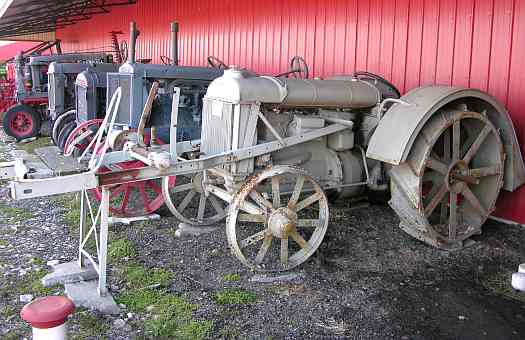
[[133, 35], [174, 43]]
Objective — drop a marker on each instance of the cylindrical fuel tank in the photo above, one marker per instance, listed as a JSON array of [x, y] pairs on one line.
[[239, 86], [354, 94]]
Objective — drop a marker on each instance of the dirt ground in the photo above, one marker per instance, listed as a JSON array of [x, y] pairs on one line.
[[369, 280]]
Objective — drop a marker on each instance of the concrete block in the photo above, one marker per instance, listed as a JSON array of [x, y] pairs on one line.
[[85, 294], [518, 281], [69, 272], [189, 230]]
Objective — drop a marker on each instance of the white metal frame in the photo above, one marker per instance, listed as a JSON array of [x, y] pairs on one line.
[[100, 220]]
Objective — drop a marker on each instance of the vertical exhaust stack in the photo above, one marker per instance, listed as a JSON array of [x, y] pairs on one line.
[[134, 33], [175, 43]]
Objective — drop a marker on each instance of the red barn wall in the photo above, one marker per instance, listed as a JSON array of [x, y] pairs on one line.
[[473, 43]]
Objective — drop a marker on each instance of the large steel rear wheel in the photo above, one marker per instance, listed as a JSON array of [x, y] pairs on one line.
[[452, 178]]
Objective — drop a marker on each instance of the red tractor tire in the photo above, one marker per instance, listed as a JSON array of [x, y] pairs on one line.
[[22, 121]]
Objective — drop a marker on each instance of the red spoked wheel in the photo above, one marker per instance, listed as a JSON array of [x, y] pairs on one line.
[[22, 121], [128, 199], [79, 139], [134, 198]]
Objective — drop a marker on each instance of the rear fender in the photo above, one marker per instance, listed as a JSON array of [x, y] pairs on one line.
[[399, 127]]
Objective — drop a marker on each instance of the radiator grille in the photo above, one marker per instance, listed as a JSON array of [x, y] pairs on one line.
[[217, 127], [124, 81]]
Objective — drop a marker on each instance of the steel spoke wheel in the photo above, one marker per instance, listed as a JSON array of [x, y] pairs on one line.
[[277, 219], [462, 161], [190, 203]]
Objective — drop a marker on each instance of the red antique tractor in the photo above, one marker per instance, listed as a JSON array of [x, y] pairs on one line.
[[21, 108]]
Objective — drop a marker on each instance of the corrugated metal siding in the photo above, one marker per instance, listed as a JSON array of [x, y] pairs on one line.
[[474, 43], [48, 36]]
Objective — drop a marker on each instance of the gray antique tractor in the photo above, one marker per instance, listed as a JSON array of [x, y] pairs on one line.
[[273, 150], [66, 82], [23, 120]]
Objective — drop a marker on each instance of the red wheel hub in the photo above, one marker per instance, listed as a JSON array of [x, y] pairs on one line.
[[22, 123]]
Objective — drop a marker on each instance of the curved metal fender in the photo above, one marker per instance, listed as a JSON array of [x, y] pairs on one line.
[[397, 130]]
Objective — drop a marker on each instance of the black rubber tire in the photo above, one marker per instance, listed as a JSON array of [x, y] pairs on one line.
[[64, 134], [60, 122], [10, 115]]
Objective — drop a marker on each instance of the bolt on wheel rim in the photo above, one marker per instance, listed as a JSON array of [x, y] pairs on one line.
[[277, 220]]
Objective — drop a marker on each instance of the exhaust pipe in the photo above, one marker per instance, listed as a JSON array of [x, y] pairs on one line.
[[134, 33], [174, 43]]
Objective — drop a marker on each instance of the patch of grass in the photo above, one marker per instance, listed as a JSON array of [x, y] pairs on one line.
[[173, 319], [231, 278], [31, 283], [4, 243], [71, 203], [138, 300], [235, 297], [38, 261], [90, 327], [120, 249], [15, 214], [32, 146], [499, 284], [138, 277], [8, 311], [13, 335]]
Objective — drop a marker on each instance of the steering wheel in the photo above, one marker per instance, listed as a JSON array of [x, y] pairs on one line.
[[387, 89], [165, 60], [217, 63], [299, 68], [124, 51]]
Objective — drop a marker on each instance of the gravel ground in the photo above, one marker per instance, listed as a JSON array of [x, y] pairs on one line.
[[369, 280]]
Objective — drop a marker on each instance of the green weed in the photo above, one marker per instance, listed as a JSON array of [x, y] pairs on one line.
[[90, 327], [231, 278], [138, 300], [32, 146], [235, 297], [120, 249], [173, 319], [14, 214]]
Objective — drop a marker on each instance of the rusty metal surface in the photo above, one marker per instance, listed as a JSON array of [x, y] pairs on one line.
[[449, 184], [400, 126]]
